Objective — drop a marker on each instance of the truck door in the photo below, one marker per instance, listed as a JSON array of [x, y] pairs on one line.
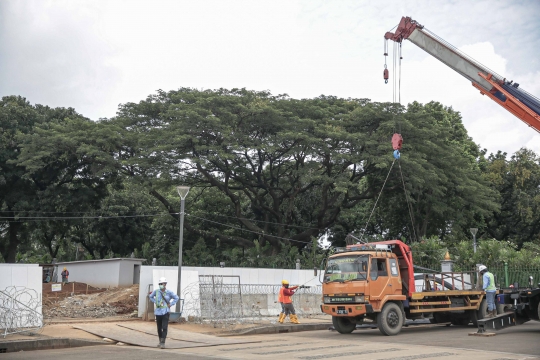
[[379, 281]]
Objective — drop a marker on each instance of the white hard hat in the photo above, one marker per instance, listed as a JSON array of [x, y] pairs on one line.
[[482, 268], [162, 280]]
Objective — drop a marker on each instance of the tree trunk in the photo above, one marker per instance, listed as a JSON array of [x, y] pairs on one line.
[[10, 252]]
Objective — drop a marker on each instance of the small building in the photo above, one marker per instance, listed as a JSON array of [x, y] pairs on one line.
[[103, 273]]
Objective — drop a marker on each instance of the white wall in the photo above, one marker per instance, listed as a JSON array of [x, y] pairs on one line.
[[247, 276], [104, 273], [189, 280], [27, 276], [99, 274]]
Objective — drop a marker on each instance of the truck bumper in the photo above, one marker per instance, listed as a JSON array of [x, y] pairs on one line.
[[352, 310]]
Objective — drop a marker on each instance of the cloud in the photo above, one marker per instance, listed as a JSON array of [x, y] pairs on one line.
[[94, 55]]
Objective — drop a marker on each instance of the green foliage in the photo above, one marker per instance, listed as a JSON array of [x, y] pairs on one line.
[[491, 252], [269, 175]]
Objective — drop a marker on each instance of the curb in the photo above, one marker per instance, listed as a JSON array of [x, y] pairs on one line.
[[86, 320], [43, 344], [278, 329]]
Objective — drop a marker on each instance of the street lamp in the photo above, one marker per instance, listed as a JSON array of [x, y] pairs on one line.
[[473, 232], [182, 191]]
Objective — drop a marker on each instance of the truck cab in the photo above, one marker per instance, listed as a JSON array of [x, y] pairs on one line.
[[359, 281]]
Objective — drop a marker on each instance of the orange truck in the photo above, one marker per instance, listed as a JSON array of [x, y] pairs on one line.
[[376, 281]]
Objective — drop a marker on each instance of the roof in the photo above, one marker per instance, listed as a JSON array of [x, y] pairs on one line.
[[100, 260]]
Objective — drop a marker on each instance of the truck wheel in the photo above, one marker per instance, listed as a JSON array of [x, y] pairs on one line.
[[479, 314], [482, 310], [390, 319], [343, 325]]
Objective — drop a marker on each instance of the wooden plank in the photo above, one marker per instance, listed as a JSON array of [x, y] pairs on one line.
[[132, 337], [182, 335], [428, 310]]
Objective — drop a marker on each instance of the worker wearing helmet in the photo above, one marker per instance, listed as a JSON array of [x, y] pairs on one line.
[[488, 282], [285, 294], [280, 301], [65, 275], [164, 299]]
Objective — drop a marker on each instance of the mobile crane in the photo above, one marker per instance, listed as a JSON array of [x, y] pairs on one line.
[[505, 93]]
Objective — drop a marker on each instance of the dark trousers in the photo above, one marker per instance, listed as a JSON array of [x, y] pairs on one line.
[[162, 322], [289, 309]]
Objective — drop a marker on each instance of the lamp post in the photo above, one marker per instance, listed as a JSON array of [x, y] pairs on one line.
[[182, 191], [473, 232]]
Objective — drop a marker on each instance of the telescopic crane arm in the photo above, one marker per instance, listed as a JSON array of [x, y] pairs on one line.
[[505, 93]]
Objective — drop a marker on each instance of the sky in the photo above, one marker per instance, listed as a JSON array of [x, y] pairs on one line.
[[95, 55]]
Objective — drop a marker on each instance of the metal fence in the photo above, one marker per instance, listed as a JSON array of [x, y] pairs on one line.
[[223, 300], [517, 276], [504, 275]]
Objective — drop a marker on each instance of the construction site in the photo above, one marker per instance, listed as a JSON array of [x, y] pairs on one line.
[[236, 224]]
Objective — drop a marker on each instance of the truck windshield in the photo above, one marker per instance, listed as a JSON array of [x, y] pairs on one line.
[[346, 268]]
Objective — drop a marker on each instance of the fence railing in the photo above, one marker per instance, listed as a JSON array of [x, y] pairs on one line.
[[504, 276]]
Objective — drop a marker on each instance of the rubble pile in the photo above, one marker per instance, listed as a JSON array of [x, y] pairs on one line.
[[112, 302], [74, 308]]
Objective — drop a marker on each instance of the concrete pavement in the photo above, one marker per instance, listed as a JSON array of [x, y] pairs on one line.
[[422, 342]]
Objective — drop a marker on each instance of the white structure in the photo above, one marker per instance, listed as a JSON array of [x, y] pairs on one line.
[[20, 295], [248, 276], [103, 273]]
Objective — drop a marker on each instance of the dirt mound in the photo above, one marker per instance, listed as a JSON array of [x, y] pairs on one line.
[[108, 302]]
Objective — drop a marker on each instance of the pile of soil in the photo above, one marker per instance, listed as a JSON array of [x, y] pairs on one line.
[[106, 302]]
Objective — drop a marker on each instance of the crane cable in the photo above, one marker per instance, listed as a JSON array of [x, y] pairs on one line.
[[409, 206], [396, 97], [378, 197]]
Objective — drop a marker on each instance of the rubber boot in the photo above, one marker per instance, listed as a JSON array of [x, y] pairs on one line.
[[160, 341], [294, 319], [489, 314], [281, 318]]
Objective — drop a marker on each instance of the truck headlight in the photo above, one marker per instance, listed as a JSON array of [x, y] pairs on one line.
[[326, 299], [359, 299]]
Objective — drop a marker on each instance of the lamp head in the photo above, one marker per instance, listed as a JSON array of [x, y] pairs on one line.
[[182, 191]]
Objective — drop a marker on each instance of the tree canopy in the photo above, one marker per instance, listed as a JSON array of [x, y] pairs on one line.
[[268, 175]]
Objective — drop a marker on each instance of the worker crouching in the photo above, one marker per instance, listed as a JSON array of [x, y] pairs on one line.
[[285, 296]]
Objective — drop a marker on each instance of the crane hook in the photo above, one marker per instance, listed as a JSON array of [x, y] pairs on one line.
[[385, 74]]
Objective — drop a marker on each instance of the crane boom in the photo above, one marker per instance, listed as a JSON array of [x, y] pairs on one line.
[[507, 94]]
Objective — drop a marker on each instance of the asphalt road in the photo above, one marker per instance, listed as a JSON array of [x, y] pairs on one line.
[[420, 342]]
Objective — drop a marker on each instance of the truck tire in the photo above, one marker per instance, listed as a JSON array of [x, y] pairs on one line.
[[343, 325], [390, 319], [479, 314]]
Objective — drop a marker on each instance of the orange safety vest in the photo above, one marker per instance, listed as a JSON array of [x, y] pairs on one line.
[[280, 295], [284, 299]]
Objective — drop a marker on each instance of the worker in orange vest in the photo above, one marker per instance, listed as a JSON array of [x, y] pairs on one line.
[[285, 294], [280, 301]]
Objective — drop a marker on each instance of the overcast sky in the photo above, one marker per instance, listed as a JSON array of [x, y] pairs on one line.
[[94, 55]]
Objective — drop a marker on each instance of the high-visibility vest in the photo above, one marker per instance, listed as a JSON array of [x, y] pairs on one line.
[[491, 286], [285, 299], [280, 295]]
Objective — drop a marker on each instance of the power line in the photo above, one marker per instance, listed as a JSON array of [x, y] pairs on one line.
[[250, 231], [79, 217]]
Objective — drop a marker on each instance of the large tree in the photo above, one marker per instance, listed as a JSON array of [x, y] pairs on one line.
[[517, 180], [52, 164], [286, 167]]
